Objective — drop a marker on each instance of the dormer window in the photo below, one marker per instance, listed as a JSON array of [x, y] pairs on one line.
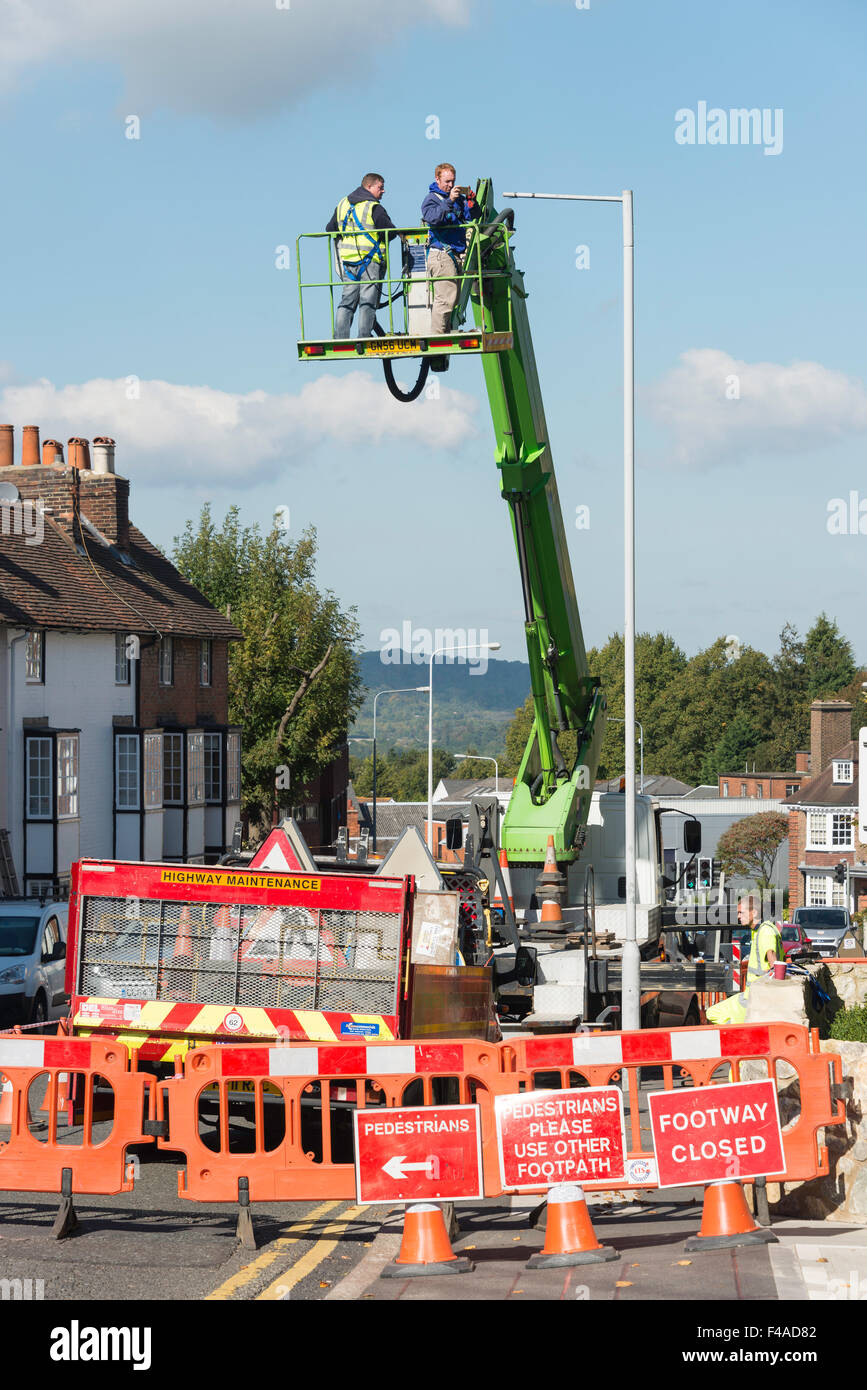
[[842, 770]]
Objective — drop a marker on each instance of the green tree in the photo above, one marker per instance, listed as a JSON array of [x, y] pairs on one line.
[[828, 658], [749, 847], [293, 678], [735, 746], [475, 768], [705, 697]]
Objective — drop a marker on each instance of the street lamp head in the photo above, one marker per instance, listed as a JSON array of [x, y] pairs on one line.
[[425, 688], [492, 646]]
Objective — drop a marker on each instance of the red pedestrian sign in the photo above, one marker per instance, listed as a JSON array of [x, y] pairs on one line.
[[711, 1133], [549, 1137], [418, 1153]]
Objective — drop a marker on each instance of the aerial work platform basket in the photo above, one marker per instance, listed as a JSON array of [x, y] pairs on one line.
[[406, 300]]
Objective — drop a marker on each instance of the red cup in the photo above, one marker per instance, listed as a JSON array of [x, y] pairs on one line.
[[779, 970]]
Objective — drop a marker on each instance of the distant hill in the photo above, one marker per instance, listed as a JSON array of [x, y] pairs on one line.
[[471, 708]]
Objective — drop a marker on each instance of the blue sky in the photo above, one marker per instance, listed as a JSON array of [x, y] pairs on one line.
[[142, 298]]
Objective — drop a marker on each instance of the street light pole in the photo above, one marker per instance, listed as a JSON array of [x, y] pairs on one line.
[[463, 647], [484, 758], [631, 990], [401, 690], [615, 718]]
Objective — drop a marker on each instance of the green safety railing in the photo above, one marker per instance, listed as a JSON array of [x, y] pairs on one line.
[[474, 285]]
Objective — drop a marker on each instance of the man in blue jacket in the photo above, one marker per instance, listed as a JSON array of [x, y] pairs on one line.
[[363, 224], [444, 209]]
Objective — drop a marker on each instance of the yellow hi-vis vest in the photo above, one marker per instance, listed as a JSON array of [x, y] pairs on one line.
[[358, 245], [765, 938]]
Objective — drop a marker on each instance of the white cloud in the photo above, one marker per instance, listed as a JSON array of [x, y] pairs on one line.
[[720, 409], [235, 58], [187, 435]]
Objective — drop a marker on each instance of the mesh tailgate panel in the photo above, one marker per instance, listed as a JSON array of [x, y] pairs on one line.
[[268, 957]]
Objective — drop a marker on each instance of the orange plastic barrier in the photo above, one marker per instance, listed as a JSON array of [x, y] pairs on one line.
[[36, 1158], [295, 1140], [298, 1102], [692, 1057]]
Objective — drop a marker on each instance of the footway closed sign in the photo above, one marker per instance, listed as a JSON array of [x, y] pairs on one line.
[[549, 1137], [716, 1132]]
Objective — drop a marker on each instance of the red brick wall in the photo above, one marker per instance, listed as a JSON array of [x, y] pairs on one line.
[[103, 497], [830, 730], [772, 787], [797, 833], [184, 702]]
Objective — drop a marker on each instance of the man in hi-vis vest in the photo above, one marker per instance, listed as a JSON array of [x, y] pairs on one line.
[[766, 947], [359, 218]]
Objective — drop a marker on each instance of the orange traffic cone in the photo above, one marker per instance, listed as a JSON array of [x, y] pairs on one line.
[[569, 1235], [726, 1220], [507, 883], [551, 913], [183, 944], [425, 1248], [62, 1097], [7, 1103]]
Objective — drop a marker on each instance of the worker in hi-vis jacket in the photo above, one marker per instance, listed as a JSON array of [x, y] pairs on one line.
[[364, 225], [766, 948]]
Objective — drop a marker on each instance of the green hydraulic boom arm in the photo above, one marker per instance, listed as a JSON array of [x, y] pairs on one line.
[[552, 793]]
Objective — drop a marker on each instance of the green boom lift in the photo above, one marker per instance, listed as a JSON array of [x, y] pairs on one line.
[[552, 793]]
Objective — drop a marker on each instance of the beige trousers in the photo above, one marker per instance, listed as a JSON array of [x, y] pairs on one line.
[[445, 292]]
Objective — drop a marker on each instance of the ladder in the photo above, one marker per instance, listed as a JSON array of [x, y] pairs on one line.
[[8, 876]]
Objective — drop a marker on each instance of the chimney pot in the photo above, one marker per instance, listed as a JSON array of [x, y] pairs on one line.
[[52, 454], [30, 446], [79, 453], [7, 458], [103, 454]]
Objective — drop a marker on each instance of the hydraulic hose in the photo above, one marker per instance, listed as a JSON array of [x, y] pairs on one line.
[[399, 395]]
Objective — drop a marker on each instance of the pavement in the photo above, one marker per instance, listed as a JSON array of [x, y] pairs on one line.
[[817, 1261]]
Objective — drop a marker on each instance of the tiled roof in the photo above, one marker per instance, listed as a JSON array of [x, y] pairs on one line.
[[823, 790], [61, 584]]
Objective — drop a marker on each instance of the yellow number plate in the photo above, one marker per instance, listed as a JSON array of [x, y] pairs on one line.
[[394, 346]]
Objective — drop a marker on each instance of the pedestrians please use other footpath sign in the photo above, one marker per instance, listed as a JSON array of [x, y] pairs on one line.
[[550, 1137], [711, 1133], [413, 1154]]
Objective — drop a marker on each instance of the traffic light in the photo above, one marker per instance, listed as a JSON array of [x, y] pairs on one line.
[[690, 877], [715, 873], [840, 872], [705, 872]]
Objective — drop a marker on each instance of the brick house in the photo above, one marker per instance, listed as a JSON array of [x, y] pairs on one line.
[[768, 786], [822, 816], [114, 733]]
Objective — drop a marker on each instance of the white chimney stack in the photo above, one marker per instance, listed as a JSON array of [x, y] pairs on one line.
[[103, 454]]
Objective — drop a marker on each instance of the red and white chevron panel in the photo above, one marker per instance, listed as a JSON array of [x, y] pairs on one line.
[[650, 1048], [412, 1059], [45, 1052]]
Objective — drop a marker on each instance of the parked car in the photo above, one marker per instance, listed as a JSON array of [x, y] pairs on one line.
[[825, 927], [795, 939], [32, 961]]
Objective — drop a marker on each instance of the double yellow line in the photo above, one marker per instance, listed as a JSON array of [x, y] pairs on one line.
[[300, 1230]]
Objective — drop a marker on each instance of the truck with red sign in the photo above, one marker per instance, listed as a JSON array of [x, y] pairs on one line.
[[170, 956]]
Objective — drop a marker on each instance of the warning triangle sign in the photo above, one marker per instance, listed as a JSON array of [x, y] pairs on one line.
[[276, 853], [285, 848]]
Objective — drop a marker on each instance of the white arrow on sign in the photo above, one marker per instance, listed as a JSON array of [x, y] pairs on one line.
[[398, 1167]]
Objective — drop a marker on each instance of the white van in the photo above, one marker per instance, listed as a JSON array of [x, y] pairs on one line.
[[32, 961]]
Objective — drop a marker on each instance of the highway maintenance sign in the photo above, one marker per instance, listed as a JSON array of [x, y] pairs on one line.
[[549, 1137], [711, 1133], [416, 1154]]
